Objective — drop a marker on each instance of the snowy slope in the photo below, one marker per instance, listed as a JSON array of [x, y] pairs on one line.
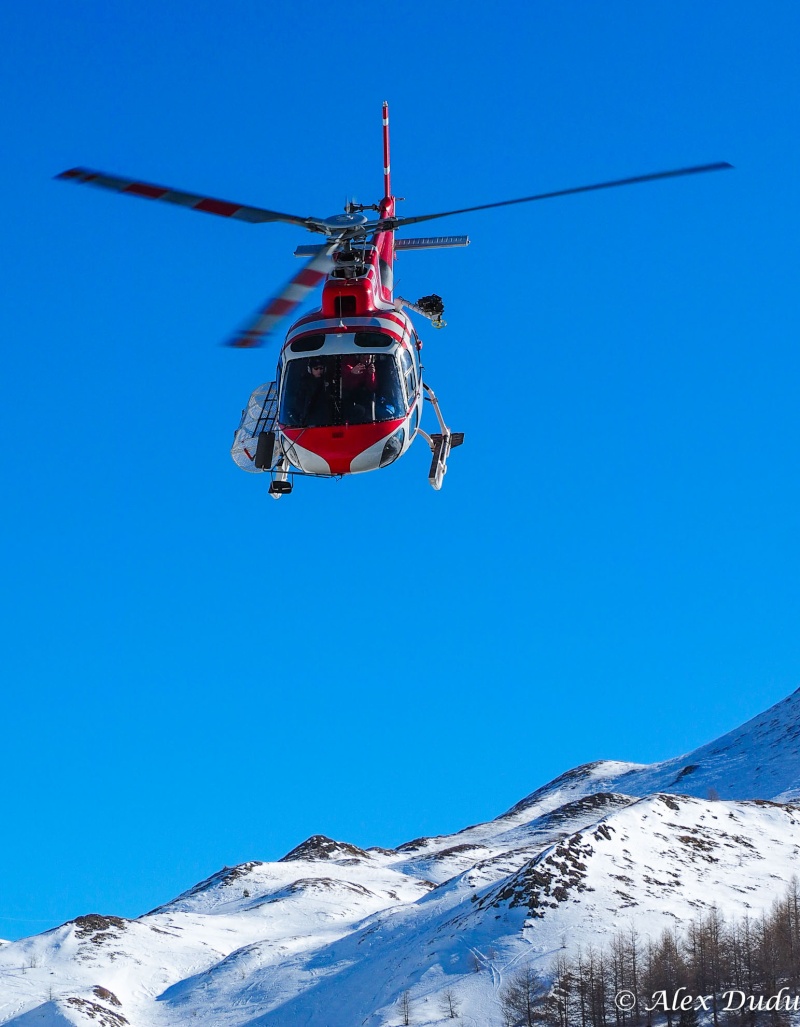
[[759, 760], [334, 935]]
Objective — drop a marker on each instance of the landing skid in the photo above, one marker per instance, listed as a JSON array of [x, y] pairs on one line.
[[440, 442], [280, 484]]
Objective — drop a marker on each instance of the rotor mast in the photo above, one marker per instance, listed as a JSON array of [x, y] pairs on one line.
[[387, 203], [387, 170]]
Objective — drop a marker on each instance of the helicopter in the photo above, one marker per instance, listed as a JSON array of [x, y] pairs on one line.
[[349, 392]]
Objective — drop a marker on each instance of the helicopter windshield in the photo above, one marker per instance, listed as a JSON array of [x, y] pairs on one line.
[[342, 388]]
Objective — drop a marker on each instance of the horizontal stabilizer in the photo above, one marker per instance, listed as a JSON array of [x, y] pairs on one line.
[[433, 242]]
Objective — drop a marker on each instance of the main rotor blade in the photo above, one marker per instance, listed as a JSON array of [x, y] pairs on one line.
[[206, 204], [400, 222], [255, 332]]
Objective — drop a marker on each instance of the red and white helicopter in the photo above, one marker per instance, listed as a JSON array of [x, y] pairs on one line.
[[349, 393]]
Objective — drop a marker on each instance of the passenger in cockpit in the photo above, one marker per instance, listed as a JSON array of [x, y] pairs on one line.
[[358, 388]]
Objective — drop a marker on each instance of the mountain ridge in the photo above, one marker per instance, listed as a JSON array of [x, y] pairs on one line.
[[333, 934]]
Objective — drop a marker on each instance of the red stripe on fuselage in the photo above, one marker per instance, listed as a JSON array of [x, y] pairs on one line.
[[339, 445]]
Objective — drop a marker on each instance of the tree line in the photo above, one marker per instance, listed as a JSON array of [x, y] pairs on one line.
[[712, 971]]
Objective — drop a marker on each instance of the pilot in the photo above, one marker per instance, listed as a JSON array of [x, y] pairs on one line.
[[317, 404]]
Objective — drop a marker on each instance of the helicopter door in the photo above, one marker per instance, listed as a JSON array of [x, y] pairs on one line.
[[389, 402], [407, 365]]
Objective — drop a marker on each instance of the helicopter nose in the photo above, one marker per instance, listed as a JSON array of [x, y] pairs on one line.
[[342, 449]]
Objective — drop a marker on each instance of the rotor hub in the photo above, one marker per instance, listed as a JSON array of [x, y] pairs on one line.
[[340, 221]]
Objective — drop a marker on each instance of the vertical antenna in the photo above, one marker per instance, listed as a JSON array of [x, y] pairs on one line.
[[387, 187]]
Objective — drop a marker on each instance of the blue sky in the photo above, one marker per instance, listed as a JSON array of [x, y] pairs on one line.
[[194, 675]]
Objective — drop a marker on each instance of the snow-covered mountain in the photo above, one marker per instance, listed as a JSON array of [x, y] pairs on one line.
[[335, 935]]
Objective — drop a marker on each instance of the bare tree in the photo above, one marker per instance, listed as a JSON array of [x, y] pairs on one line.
[[523, 998], [450, 1004], [688, 1017], [581, 989], [562, 993], [633, 965], [405, 1008], [595, 988], [670, 970], [793, 927], [785, 928], [718, 952]]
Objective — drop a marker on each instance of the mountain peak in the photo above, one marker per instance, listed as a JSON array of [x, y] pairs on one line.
[[319, 846]]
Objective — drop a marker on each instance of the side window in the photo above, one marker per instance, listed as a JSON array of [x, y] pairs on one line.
[[407, 364]]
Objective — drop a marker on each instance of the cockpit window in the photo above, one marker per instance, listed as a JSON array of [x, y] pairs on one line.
[[345, 388], [307, 344], [371, 340], [407, 367]]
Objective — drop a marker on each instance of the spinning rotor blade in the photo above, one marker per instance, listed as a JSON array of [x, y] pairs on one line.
[[255, 332], [400, 222], [207, 204]]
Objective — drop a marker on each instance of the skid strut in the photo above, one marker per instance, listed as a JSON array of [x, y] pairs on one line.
[[280, 484], [440, 442]]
